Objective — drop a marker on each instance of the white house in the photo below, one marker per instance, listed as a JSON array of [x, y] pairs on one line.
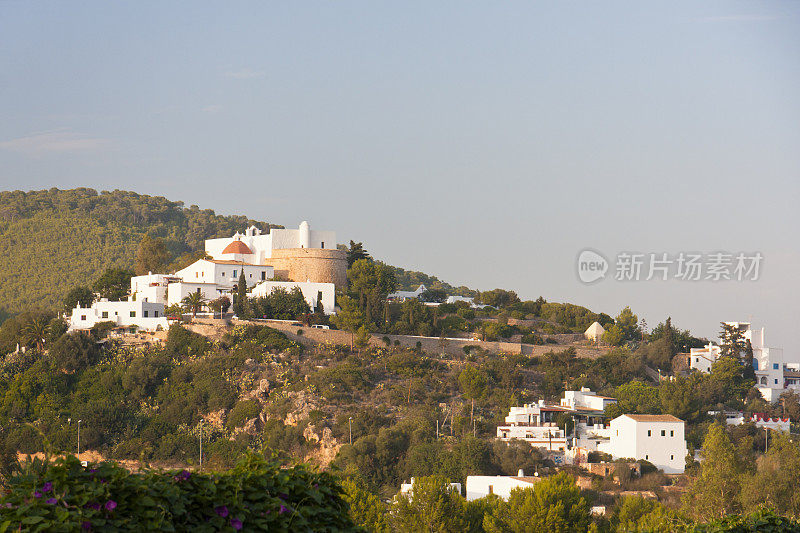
[[586, 399], [482, 486], [594, 332], [701, 359], [224, 273], [402, 296], [312, 292], [736, 418], [406, 488], [144, 315], [658, 439]]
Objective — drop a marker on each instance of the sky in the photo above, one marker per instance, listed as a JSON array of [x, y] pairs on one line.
[[487, 144]]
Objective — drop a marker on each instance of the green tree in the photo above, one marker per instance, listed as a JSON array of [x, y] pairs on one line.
[[625, 328], [152, 255], [349, 318], [635, 398], [240, 307], [473, 384], [35, 331], [732, 341], [194, 302], [679, 397], [78, 295], [634, 514], [776, 479], [366, 509], [554, 505], [715, 492], [431, 506], [114, 284], [355, 253]]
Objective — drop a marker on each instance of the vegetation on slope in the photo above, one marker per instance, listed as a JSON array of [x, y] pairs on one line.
[[53, 240]]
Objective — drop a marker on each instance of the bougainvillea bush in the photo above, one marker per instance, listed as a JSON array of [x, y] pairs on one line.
[[257, 495]]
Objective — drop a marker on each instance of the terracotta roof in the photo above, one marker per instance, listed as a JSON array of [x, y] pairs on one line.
[[654, 418], [230, 262], [237, 247], [527, 479]]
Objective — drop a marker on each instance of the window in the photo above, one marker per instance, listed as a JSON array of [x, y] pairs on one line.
[[263, 275], [491, 489], [133, 314], [671, 457], [251, 275], [646, 457], [234, 273], [649, 433], [776, 382], [672, 433], [155, 314], [146, 314], [223, 274], [323, 244], [775, 366], [763, 380], [198, 290], [83, 317], [697, 360], [663, 432], [105, 314]]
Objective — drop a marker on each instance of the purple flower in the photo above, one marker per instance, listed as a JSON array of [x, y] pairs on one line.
[[183, 475], [37, 494], [316, 485], [111, 505], [86, 524], [52, 501], [47, 487], [95, 506], [283, 496], [236, 524], [283, 509], [221, 510]]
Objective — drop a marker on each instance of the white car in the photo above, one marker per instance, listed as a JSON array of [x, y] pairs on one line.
[[320, 326]]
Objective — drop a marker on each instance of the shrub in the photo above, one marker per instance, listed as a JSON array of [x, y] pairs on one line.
[[256, 495], [242, 412]]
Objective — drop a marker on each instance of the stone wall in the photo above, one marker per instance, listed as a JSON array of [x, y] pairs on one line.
[[310, 264]]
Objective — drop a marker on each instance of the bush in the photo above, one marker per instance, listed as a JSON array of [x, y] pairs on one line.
[[256, 495], [242, 412]]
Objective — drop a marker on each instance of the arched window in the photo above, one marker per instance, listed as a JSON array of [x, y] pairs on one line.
[[763, 380]]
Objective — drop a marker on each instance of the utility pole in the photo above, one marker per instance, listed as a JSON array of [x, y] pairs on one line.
[[201, 445]]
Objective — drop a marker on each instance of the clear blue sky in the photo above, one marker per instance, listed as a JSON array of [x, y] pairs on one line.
[[484, 143]]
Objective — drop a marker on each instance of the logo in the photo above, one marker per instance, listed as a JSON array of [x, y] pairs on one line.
[[591, 266]]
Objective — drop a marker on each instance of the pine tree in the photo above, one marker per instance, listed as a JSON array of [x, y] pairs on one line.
[[240, 307]]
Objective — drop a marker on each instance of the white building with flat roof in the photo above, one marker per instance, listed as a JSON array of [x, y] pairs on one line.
[[658, 439], [482, 486], [586, 399], [313, 293], [701, 359], [144, 315]]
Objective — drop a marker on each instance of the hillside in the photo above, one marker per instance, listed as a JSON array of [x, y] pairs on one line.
[[53, 240]]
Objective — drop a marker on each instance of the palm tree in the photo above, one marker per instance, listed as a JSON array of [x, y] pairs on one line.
[[194, 302], [34, 332]]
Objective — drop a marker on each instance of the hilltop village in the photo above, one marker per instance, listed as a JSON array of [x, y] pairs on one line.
[[282, 338]]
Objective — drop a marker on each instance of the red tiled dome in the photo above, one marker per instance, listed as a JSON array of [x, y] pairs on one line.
[[237, 247]]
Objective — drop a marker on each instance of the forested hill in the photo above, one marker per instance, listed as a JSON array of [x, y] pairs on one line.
[[51, 241]]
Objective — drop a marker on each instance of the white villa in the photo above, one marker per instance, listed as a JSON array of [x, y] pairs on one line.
[[701, 359], [140, 313], [761, 420], [658, 439], [536, 423], [406, 488], [482, 486], [402, 296]]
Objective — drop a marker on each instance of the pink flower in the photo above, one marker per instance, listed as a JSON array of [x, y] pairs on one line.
[[236, 524], [37, 494], [111, 505], [283, 509], [47, 487], [221, 510], [52, 501]]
